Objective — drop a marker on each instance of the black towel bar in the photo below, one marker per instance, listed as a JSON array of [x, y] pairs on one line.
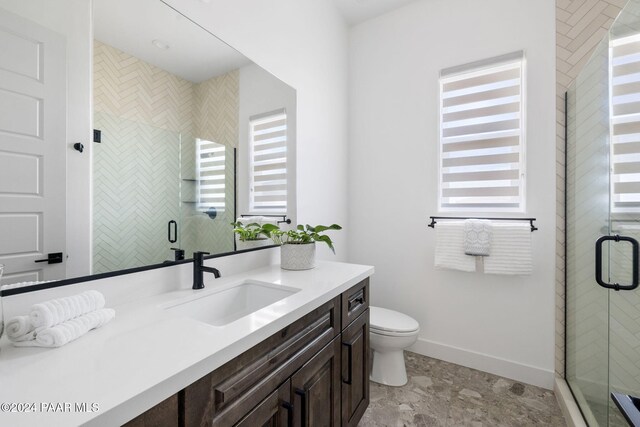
[[530, 220]]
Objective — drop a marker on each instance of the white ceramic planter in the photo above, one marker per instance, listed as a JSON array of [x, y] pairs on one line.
[[298, 257], [250, 244]]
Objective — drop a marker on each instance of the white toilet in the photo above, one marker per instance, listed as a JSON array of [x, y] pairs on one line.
[[390, 333]]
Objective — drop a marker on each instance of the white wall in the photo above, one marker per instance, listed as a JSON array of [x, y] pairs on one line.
[[500, 324], [261, 92], [72, 19], [304, 43]]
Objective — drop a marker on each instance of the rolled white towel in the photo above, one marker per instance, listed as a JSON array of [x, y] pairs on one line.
[[50, 313], [70, 330], [19, 328]]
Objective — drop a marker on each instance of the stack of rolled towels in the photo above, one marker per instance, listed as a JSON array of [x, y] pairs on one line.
[[56, 322]]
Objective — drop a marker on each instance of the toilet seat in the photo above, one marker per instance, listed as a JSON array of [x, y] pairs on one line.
[[393, 334], [391, 323]]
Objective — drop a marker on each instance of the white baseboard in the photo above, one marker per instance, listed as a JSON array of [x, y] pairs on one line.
[[484, 362], [568, 406]]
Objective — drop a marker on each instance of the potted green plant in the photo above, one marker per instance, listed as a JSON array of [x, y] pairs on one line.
[[298, 250], [252, 235]]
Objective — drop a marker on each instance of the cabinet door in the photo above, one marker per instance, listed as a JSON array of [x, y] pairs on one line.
[[355, 370], [274, 411], [316, 389]]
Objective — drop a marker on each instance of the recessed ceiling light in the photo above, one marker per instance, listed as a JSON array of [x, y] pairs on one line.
[[205, 1], [160, 44]]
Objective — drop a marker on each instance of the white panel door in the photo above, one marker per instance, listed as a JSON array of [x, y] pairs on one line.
[[32, 149]]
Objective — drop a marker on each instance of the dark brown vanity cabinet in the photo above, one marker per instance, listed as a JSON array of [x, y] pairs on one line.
[[164, 414], [314, 372]]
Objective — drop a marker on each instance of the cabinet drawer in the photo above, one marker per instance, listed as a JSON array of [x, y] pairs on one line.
[[231, 391], [354, 302]]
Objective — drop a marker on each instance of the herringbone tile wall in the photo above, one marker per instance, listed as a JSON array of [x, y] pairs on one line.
[[580, 25], [150, 119]]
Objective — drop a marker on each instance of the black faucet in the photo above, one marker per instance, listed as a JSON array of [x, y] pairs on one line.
[[199, 269]]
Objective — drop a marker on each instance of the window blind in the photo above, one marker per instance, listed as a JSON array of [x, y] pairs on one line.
[[210, 173], [482, 137], [625, 124], [268, 163]]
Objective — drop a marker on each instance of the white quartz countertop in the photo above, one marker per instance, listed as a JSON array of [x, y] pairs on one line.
[[147, 353]]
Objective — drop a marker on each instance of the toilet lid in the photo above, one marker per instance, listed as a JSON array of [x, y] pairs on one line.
[[383, 319]]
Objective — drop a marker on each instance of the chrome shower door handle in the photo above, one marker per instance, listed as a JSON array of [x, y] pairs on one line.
[[635, 260]]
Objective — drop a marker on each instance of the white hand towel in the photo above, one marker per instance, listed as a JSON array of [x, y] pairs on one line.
[[257, 220], [53, 312], [510, 250], [245, 220], [70, 330], [19, 328], [477, 237], [450, 247], [267, 220]]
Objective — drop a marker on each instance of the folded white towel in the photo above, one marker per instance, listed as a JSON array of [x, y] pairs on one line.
[[258, 220], [510, 250], [50, 313], [19, 328], [70, 330], [477, 237], [450, 247], [246, 219]]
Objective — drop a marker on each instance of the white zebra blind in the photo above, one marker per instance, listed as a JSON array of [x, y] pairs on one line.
[[268, 163], [625, 124], [210, 175], [482, 136]]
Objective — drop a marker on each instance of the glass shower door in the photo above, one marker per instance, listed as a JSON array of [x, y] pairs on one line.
[[603, 201], [588, 218], [624, 306]]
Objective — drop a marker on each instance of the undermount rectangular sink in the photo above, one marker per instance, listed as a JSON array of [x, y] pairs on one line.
[[228, 305]]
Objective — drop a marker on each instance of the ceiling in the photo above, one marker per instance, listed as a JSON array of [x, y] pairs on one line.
[[357, 11], [193, 53]]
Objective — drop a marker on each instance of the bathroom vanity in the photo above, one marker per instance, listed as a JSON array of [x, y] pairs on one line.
[[302, 360], [313, 371]]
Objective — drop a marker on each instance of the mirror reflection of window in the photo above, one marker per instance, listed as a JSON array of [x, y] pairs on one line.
[[268, 163], [210, 177]]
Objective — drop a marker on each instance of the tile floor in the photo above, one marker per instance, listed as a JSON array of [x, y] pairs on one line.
[[443, 394]]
